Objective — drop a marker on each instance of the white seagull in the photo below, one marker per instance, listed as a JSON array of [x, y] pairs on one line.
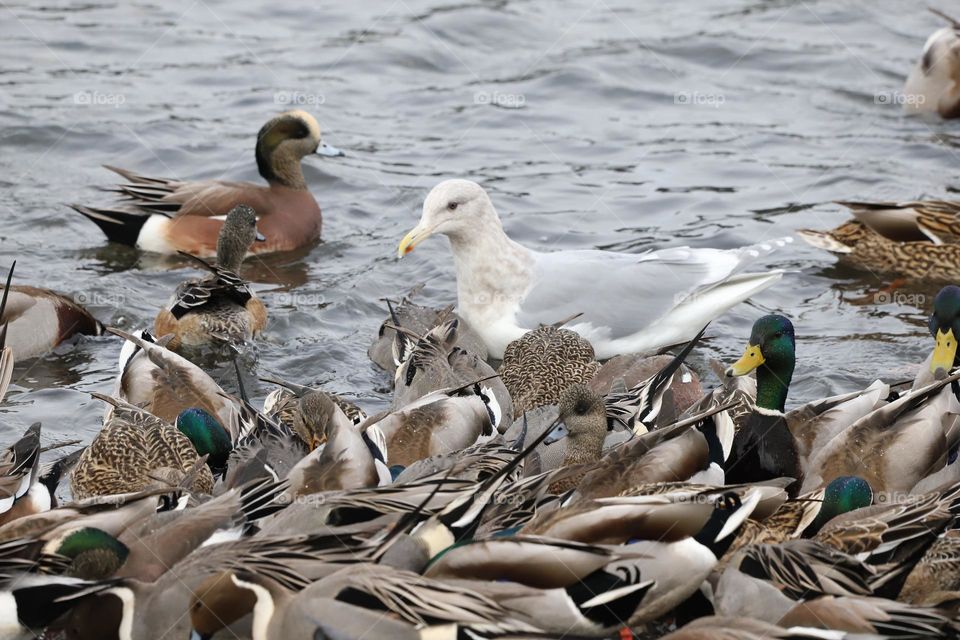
[[627, 302]]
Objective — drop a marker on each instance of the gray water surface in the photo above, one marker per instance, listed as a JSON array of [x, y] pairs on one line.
[[620, 124]]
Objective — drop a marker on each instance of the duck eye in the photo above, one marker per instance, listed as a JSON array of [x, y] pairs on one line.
[[452, 206]]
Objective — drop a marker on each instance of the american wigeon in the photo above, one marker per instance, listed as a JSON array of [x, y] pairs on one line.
[[221, 307], [37, 320], [165, 215]]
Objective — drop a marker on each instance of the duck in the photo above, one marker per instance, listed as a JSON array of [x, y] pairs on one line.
[[305, 412], [410, 318], [165, 383], [352, 602], [931, 86], [164, 215], [773, 444], [134, 449], [433, 361], [221, 307], [442, 421], [539, 365], [38, 319], [21, 492], [505, 289], [913, 239]]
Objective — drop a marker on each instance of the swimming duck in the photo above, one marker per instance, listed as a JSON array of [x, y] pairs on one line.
[[915, 239], [133, 449], [307, 411], [220, 307], [505, 289], [538, 366], [931, 86], [166, 216], [37, 320], [166, 384]]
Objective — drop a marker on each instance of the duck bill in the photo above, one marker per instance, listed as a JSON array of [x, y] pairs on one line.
[[944, 352], [329, 151], [558, 433], [259, 237], [417, 235], [750, 360]]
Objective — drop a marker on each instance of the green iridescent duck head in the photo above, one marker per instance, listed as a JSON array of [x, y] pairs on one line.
[[944, 324], [207, 435], [771, 352]]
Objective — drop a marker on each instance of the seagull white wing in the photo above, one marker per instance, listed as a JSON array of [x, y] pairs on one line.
[[637, 302]]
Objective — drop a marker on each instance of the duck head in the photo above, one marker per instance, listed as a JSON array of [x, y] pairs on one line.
[[944, 325], [94, 553], [238, 232], [583, 419], [208, 436], [283, 141], [771, 352], [454, 208], [842, 495], [218, 602]]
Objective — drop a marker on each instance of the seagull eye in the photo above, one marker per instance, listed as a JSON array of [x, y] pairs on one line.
[[452, 206]]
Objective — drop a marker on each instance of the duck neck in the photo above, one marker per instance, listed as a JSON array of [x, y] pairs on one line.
[[230, 252], [479, 288], [584, 448], [773, 382], [285, 170]]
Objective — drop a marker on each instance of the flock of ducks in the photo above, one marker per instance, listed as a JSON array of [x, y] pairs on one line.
[[533, 477]]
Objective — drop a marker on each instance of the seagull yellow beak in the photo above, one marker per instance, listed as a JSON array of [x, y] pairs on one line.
[[750, 360], [412, 239], [944, 352]]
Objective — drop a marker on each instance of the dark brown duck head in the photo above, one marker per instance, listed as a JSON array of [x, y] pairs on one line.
[[283, 141]]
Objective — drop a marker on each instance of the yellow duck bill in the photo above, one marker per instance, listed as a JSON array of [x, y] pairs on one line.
[[944, 352], [750, 360]]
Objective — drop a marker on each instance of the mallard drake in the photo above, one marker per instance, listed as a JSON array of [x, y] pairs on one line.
[[538, 366], [132, 450], [916, 239], [434, 361], [166, 384], [771, 443], [221, 307], [37, 320], [165, 216], [505, 289], [931, 86]]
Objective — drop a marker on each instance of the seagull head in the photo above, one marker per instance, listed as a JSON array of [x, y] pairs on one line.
[[453, 208]]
